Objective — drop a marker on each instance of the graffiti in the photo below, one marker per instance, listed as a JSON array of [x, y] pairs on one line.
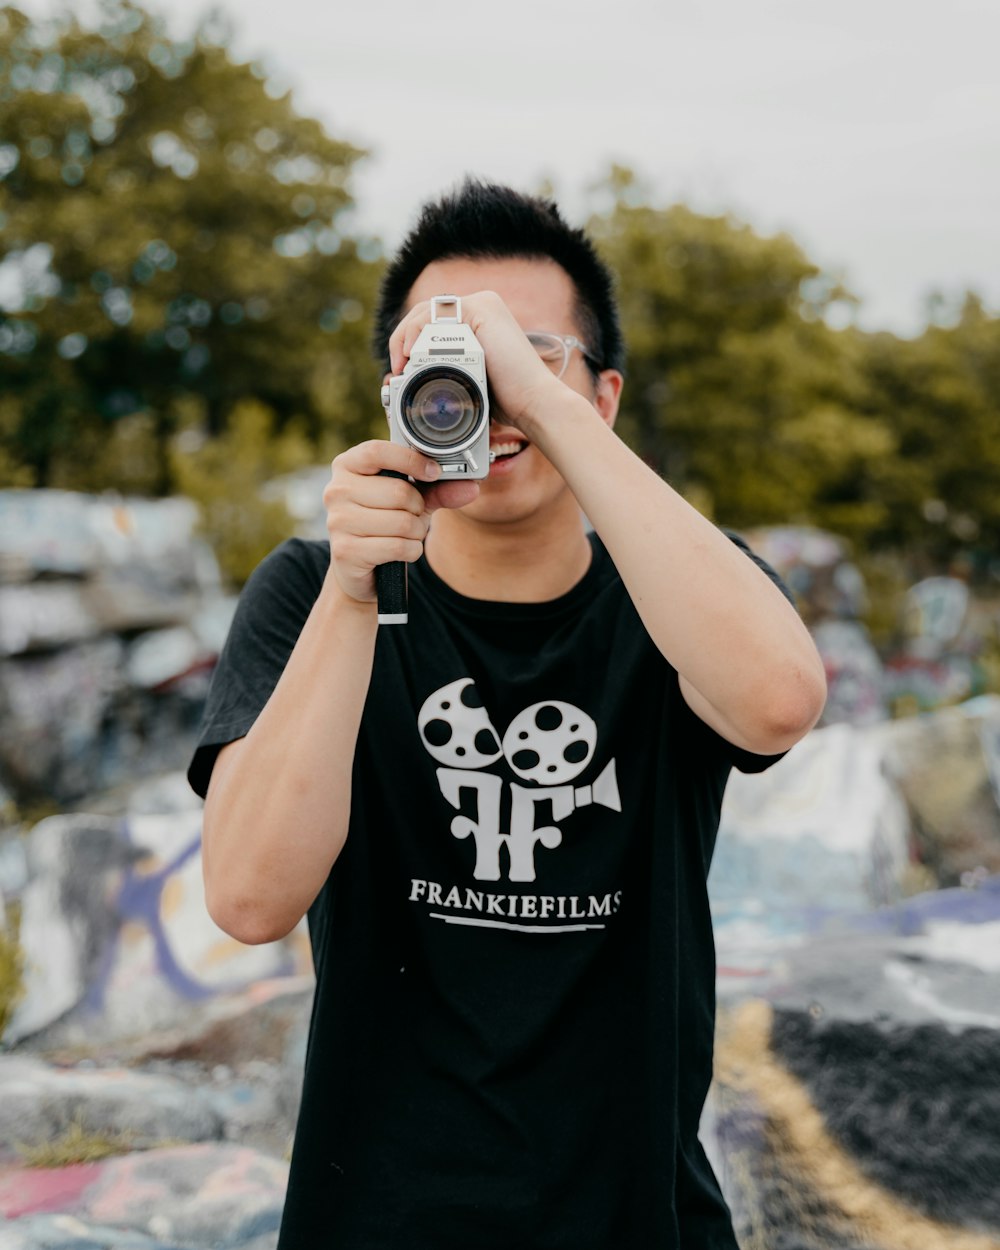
[[203, 1194], [824, 843], [934, 612], [854, 674], [816, 568], [115, 930]]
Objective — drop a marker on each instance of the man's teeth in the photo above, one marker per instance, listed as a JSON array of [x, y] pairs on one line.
[[505, 449]]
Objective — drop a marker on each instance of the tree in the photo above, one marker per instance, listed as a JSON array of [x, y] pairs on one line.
[[176, 242], [223, 473], [941, 392], [738, 391]]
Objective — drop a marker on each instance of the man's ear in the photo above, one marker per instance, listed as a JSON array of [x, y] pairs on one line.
[[607, 394]]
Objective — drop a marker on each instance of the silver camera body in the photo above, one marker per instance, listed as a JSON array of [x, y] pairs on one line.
[[439, 404]]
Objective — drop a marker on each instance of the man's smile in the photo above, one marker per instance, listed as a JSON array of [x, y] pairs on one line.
[[503, 453], [509, 447]]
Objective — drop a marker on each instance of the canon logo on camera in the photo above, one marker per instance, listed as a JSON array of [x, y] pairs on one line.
[[447, 338]]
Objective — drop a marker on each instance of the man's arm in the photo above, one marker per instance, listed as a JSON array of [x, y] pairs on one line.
[[746, 663], [277, 807], [278, 804]]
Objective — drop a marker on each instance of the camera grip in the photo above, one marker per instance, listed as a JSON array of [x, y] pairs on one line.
[[390, 581]]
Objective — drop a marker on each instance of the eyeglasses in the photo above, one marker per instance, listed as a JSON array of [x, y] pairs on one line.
[[554, 349]]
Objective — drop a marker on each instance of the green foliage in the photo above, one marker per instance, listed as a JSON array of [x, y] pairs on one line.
[[941, 393], [224, 475], [179, 231], [738, 391], [990, 658], [887, 579], [744, 397], [14, 473]]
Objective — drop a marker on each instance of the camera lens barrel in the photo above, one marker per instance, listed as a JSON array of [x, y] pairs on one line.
[[442, 408]]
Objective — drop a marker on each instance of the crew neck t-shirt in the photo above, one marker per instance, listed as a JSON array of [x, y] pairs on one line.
[[511, 1038]]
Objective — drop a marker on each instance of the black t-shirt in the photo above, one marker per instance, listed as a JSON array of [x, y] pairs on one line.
[[511, 1038]]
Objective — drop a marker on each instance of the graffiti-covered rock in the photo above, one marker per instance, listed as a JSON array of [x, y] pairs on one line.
[[116, 936], [821, 834], [54, 707], [947, 767], [111, 618], [855, 674], [817, 568], [69, 920], [44, 532], [857, 1133], [831, 596], [43, 615], [39, 1103], [189, 1197]]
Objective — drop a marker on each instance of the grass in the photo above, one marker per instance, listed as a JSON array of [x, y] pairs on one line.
[[76, 1145], [11, 967]]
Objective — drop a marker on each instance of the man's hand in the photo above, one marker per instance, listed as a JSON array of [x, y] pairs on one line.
[[520, 384], [374, 520]]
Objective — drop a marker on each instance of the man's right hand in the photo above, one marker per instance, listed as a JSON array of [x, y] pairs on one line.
[[375, 520]]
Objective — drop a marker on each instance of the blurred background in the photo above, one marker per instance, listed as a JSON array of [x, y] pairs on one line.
[[804, 214], [802, 206]]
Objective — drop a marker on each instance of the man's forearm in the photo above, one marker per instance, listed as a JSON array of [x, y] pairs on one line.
[[747, 663], [278, 806]]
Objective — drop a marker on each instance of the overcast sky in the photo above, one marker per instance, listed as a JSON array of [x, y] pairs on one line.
[[868, 129]]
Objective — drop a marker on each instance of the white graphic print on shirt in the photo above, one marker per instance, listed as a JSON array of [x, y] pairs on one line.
[[548, 744]]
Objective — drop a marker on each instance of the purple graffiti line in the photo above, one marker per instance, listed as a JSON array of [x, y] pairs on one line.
[[140, 900]]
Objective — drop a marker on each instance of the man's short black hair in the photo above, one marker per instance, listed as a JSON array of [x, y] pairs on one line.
[[481, 220]]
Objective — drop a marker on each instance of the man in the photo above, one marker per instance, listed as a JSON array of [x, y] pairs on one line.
[[500, 816]]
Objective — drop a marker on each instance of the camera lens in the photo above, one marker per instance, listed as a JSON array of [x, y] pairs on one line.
[[441, 407]]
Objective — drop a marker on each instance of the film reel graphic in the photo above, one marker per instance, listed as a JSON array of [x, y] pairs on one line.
[[549, 743]]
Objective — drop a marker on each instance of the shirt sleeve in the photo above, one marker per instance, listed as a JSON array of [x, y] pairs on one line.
[[271, 612]]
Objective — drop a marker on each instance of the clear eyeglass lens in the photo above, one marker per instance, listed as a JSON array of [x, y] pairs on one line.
[[550, 349]]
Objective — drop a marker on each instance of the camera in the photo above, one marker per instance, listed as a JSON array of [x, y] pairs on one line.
[[439, 404]]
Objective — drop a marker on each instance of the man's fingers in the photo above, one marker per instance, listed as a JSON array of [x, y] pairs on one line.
[[359, 556], [377, 454], [405, 335], [345, 492], [450, 495], [384, 523]]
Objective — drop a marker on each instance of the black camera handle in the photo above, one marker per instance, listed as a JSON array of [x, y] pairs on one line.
[[390, 581]]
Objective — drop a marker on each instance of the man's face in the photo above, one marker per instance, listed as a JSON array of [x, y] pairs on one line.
[[541, 296]]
